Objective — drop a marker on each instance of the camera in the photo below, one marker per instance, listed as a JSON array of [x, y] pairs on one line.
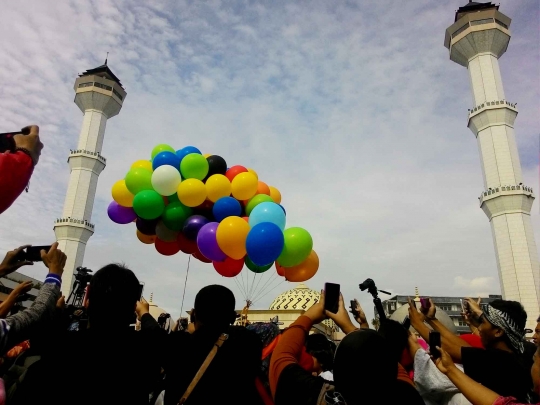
[[370, 286]]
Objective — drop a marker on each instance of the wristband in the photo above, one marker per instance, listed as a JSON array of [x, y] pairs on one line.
[[53, 279]]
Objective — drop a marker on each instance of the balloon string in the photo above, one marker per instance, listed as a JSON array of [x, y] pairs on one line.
[[277, 285], [268, 282], [268, 287], [240, 286], [258, 282], [252, 283], [185, 284]]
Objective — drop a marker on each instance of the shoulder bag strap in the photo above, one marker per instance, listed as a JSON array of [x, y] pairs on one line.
[[223, 337]]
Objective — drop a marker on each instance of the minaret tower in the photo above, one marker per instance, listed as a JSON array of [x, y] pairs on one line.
[[99, 94], [477, 39]]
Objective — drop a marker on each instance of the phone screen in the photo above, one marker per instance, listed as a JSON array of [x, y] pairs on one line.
[[331, 297], [33, 253], [434, 341]]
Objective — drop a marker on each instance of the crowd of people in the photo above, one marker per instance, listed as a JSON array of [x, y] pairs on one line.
[[94, 354]]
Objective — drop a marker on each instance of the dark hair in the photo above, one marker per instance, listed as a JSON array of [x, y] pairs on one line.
[[112, 296], [396, 336], [514, 309], [322, 349], [214, 306], [538, 319]]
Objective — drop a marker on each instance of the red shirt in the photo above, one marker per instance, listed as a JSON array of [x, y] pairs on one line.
[[15, 172]]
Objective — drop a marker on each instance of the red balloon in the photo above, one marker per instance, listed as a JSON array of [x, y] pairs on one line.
[[167, 248], [229, 267], [206, 205], [280, 270], [201, 257], [233, 171], [187, 246], [246, 219]]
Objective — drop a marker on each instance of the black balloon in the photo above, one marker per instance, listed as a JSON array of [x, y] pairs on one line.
[[147, 226], [216, 165], [192, 226]]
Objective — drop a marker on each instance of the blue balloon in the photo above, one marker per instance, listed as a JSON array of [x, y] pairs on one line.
[[268, 212], [166, 158], [181, 153], [264, 243], [226, 207], [283, 208]]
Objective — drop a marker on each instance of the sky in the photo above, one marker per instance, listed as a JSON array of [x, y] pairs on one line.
[[351, 108]]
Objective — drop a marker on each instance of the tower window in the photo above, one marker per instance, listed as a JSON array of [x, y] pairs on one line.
[[87, 84], [460, 30], [501, 24], [117, 94], [484, 21], [103, 86]]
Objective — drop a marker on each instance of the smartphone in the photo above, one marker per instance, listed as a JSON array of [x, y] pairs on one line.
[[141, 288], [425, 304], [353, 310], [32, 253], [406, 323], [434, 341], [6, 139], [331, 297]]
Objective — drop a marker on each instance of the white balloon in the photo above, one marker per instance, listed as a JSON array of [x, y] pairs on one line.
[[165, 180], [164, 233]]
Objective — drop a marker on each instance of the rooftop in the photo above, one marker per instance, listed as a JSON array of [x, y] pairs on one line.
[[103, 71], [472, 7]]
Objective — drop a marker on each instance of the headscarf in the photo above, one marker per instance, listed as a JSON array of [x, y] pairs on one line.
[[502, 320]]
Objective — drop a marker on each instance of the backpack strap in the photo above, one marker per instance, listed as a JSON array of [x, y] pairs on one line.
[[222, 338]]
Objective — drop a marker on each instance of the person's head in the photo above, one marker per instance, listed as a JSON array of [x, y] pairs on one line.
[[322, 350], [364, 366], [503, 324], [112, 296], [214, 307], [396, 336], [536, 336]]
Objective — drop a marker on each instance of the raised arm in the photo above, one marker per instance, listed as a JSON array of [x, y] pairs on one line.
[[7, 305]]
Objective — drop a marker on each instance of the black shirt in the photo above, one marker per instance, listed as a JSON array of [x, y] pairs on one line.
[[499, 370]]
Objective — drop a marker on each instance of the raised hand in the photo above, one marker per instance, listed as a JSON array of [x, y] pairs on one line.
[[415, 316], [30, 142], [22, 288], [142, 308], [445, 362], [316, 311], [54, 259], [360, 316], [341, 318], [11, 263]]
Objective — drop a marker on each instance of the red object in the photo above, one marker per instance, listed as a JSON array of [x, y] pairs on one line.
[[186, 245], [229, 267], [15, 172], [198, 255], [473, 340], [167, 248], [234, 171], [280, 270], [262, 188], [207, 205], [246, 219]]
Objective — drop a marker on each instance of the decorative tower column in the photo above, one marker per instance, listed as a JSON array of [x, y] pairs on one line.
[[477, 39], [99, 94]]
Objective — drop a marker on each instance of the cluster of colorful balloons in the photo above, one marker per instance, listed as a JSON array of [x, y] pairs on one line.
[[181, 200]]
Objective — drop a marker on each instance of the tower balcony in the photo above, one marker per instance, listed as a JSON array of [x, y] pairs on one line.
[[500, 112], [73, 229], [93, 92], [506, 200], [86, 160]]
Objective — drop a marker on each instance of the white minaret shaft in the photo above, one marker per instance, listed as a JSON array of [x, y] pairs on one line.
[[99, 94], [478, 38]]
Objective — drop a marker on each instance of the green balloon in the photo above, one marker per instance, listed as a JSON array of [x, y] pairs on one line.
[[162, 147], [175, 215], [254, 268], [194, 166], [256, 200], [138, 179], [298, 246], [148, 204]]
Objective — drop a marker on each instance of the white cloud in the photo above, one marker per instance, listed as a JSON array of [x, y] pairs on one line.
[[353, 110]]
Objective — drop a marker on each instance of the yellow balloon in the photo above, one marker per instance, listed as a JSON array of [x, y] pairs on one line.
[[191, 192], [217, 186], [121, 194], [275, 194], [146, 239], [244, 186], [206, 155], [231, 237], [143, 164], [253, 172]]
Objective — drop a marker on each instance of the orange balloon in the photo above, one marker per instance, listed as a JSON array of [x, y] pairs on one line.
[[262, 188], [303, 271], [280, 270], [146, 239], [275, 194]]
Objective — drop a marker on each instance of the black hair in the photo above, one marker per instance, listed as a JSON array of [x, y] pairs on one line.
[[514, 309], [214, 306], [396, 336], [322, 349], [538, 320], [113, 293]]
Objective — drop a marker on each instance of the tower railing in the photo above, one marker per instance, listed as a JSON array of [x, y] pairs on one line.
[[487, 104], [506, 190], [96, 155], [69, 220]]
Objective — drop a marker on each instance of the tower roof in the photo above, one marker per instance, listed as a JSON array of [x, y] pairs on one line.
[[473, 6], [103, 71]]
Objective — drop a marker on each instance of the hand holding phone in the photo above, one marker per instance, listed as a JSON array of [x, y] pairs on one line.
[[434, 342], [425, 304], [32, 253], [331, 297]]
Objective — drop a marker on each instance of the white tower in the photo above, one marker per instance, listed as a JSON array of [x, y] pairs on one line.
[[477, 39], [99, 94]]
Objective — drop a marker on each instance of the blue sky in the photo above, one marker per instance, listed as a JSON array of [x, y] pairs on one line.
[[352, 109]]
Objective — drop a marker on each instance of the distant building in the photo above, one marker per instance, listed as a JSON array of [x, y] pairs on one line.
[[9, 282], [450, 305]]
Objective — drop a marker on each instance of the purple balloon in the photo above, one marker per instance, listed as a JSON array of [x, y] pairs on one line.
[[207, 243], [119, 214], [193, 225], [147, 226]]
